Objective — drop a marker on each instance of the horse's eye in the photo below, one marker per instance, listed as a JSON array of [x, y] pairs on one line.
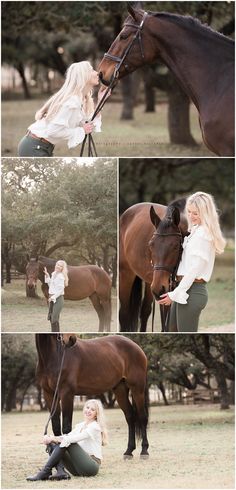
[[123, 35]]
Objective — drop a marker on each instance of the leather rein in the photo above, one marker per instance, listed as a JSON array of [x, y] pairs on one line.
[[92, 152], [55, 400], [172, 269]]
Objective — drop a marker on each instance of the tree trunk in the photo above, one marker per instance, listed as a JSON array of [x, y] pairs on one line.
[[8, 271], [20, 68], [114, 271], [11, 399], [163, 392], [149, 89], [128, 98], [223, 388], [178, 118]]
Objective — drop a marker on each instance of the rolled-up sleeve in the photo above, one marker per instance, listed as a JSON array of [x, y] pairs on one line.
[[74, 436], [180, 294]]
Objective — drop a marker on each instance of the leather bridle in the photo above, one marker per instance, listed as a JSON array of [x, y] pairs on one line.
[[172, 269], [137, 35], [119, 60]]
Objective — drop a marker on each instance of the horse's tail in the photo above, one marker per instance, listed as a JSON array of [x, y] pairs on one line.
[[141, 418], [135, 305]]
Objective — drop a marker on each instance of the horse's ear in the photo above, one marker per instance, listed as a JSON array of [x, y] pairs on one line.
[[154, 217], [176, 216], [132, 12]]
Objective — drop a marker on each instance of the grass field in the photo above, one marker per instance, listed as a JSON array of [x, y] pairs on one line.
[[21, 314], [190, 447], [146, 135]]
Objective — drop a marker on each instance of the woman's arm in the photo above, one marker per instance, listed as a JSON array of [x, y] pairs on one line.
[[180, 294]]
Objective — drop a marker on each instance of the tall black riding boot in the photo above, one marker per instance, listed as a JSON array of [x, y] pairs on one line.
[[54, 459], [61, 474], [55, 327]]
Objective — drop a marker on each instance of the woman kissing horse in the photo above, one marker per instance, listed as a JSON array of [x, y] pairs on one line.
[[202, 61], [150, 247], [92, 367], [85, 281]]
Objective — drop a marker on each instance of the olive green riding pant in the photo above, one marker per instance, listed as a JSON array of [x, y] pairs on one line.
[[78, 462], [55, 309], [185, 318], [34, 147]]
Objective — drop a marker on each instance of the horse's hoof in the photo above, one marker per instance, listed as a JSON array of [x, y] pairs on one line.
[[127, 456], [144, 456]]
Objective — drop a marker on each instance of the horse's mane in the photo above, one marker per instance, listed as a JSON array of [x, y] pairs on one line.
[[192, 22], [179, 203], [167, 221]]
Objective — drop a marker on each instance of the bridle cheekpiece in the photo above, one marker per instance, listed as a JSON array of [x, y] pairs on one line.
[[120, 59]]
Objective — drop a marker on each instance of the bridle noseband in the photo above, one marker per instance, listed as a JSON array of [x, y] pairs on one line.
[[120, 59]]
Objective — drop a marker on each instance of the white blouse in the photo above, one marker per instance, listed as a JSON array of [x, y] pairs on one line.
[[197, 262], [66, 125], [88, 436], [56, 284]]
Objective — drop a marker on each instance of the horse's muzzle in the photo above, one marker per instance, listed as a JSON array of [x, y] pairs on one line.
[[157, 295]]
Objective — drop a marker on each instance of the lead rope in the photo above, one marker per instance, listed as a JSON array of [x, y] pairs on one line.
[[91, 145], [56, 395]]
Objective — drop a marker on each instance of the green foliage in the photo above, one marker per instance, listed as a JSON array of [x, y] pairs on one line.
[[18, 368], [63, 206], [161, 181]]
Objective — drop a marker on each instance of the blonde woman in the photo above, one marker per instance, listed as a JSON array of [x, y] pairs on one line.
[[195, 269], [57, 283], [64, 116], [80, 451]]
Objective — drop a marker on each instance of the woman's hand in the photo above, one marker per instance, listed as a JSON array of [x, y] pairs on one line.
[[101, 93], [45, 271], [47, 440], [88, 127], [165, 300]]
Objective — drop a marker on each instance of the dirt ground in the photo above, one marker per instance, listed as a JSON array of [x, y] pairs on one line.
[[191, 447], [21, 314]]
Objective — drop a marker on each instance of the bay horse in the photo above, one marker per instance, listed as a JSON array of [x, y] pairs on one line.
[[201, 59], [85, 281], [150, 239], [92, 367]]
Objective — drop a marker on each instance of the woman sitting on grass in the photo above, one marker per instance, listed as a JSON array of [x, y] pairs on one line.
[[80, 451]]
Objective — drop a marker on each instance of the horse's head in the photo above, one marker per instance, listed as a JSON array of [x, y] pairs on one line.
[[129, 50], [32, 272], [165, 249], [68, 339]]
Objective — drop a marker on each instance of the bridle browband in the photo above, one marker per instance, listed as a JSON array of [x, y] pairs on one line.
[[120, 59]]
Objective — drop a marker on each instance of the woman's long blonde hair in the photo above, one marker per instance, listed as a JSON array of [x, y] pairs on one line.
[[205, 206], [77, 78], [64, 271], [100, 417]]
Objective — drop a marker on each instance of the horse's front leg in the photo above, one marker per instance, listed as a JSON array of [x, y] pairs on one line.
[[67, 402], [146, 308], [122, 396], [56, 419]]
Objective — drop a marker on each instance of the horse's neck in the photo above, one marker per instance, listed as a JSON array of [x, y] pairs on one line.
[[50, 269], [193, 59], [47, 350]]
